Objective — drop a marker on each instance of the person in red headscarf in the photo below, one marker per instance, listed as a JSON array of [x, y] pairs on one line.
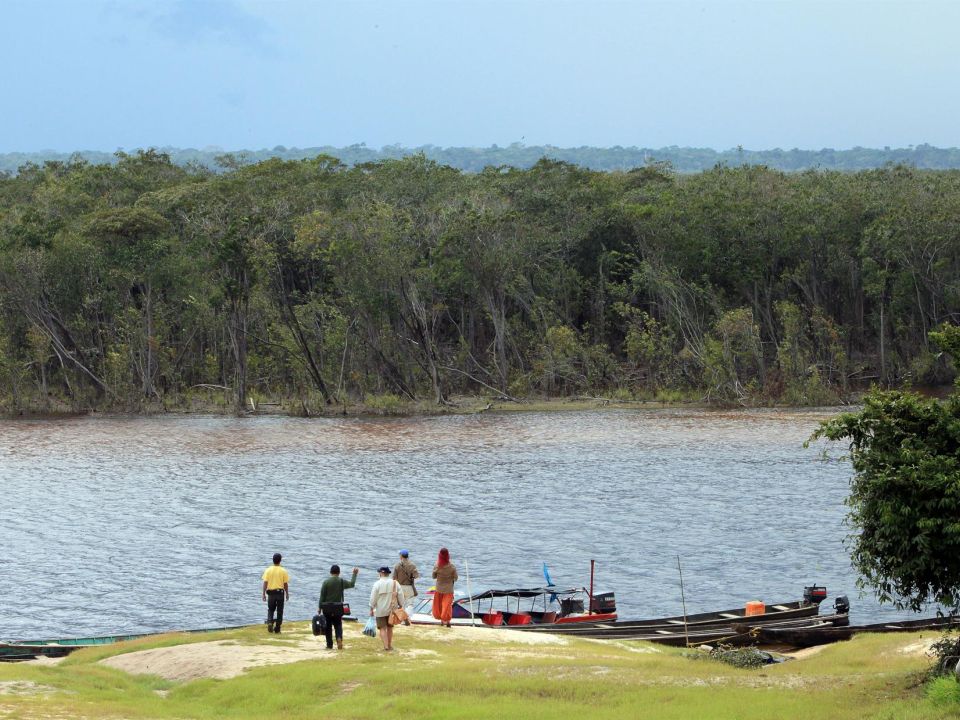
[[445, 573]]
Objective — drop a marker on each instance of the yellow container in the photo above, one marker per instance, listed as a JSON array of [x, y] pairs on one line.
[[755, 607]]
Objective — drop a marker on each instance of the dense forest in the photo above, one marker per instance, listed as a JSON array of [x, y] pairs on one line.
[[473, 159], [143, 284]]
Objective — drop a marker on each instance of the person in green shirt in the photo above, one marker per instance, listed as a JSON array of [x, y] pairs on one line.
[[331, 604]]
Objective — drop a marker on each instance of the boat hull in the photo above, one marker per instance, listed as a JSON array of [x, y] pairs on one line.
[[801, 637], [477, 621], [702, 621]]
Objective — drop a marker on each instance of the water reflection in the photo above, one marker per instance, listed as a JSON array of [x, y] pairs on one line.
[[135, 524]]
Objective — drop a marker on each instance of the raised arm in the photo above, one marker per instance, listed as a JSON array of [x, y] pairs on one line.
[[352, 582]]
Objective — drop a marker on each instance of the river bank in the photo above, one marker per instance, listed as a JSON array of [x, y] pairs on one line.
[[386, 406], [469, 673]]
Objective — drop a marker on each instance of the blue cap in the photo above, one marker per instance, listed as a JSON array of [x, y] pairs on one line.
[[404, 553]]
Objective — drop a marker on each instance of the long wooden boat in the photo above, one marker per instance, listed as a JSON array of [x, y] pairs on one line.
[[58, 647], [694, 635], [809, 636], [728, 635], [699, 621], [48, 647]]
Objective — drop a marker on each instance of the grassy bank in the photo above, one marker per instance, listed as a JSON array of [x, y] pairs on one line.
[[376, 406], [468, 673]]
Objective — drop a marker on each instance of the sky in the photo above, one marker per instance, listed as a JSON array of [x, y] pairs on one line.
[[252, 74]]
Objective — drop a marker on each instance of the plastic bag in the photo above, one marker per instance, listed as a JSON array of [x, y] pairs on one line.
[[371, 627]]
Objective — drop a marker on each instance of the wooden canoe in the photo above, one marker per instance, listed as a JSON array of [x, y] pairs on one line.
[[722, 619], [809, 636], [728, 634], [48, 647]]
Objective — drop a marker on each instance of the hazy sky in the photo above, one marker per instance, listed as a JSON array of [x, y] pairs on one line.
[[108, 74]]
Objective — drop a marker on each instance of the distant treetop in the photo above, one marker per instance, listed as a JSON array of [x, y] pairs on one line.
[[475, 159]]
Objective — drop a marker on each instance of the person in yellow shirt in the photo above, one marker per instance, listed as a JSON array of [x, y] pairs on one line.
[[276, 589]]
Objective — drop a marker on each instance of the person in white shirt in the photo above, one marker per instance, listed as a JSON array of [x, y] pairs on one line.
[[384, 597]]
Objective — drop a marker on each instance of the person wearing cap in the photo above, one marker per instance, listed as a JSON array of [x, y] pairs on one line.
[[405, 572], [331, 604], [384, 597], [276, 589]]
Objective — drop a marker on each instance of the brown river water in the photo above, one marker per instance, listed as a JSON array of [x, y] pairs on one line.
[[126, 524]]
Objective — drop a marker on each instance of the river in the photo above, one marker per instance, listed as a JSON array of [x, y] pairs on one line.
[[127, 524]]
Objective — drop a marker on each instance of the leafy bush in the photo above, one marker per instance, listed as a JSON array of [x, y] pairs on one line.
[[946, 652], [386, 404], [747, 658]]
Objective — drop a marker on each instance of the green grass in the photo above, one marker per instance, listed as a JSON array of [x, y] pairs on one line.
[[433, 676]]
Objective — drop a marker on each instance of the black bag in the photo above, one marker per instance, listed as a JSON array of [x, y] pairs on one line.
[[319, 624]]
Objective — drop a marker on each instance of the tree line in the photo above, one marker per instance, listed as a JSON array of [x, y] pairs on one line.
[[317, 283], [518, 155]]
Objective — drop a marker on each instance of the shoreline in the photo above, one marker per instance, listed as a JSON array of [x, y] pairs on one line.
[[459, 405], [470, 673]]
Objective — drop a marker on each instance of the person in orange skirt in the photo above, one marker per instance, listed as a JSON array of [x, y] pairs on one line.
[[445, 573]]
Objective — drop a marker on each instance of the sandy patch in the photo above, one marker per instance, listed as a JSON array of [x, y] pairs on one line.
[[804, 653], [417, 653], [647, 649], [226, 659], [460, 633], [24, 687], [919, 647], [41, 660], [220, 659]]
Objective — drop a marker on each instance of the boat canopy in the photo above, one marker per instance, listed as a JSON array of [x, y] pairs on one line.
[[522, 593]]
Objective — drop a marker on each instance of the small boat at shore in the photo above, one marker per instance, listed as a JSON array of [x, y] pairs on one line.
[[800, 637], [546, 607], [699, 621], [712, 635], [47, 647]]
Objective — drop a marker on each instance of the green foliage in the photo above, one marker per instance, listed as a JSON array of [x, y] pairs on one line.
[[139, 283], [803, 381], [732, 359], [944, 692], [905, 497], [650, 346], [385, 404], [948, 338], [946, 656], [477, 159], [748, 658]]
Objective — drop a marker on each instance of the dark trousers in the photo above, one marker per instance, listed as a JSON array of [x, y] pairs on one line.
[[274, 605], [333, 612]]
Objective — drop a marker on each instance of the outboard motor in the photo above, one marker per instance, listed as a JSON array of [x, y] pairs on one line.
[[814, 594], [604, 603], [841, 605]]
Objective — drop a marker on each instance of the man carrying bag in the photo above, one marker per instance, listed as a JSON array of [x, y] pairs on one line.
[[331, 604]]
